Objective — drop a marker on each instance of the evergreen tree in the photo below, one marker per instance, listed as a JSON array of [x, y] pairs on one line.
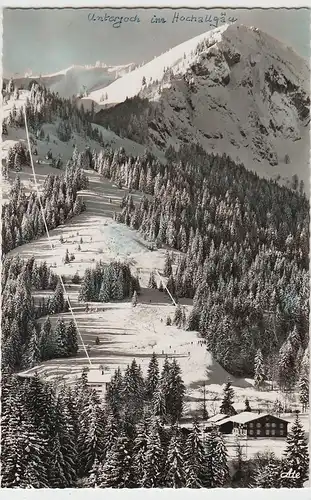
[[47, 341], [111, 431], [139, 449], [259, 377], [247, 406], [72, 339], [33, 353], [296, 457], [61, 339], [67, 258], [24, 465], [153, 376], [117, 471], [216, 465], [195, 459], [93, 478], [227, 401], [174, 391], [134, 299], [87, 290], [63, 457], [114, 395], [175, 473], [167, 271], [178, 316], [153, 462], [304, 392], [159, 405], [58, 302], [91, 444], [268, 476], [133, 390], [152, 282]]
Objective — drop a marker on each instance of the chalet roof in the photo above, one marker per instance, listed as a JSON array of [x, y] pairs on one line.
[[248, 416], [217, 417], [95, 376]]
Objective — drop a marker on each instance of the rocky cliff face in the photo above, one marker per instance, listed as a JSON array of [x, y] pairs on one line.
[[246, 95]]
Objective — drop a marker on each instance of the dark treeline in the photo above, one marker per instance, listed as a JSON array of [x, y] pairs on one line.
[[130, 118], [65, 436], [108, 282], [22, 217], [23, 342], [245, 242]]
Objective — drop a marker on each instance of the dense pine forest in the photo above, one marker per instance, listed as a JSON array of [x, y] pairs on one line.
[[245, 252], [67, 437], [108, 283], [22, 219], [25, 341]]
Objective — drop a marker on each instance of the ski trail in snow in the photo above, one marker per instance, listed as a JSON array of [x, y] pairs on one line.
[[48, 234]]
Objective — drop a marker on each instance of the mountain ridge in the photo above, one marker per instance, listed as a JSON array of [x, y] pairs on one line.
[[234, 90], [76, 79]]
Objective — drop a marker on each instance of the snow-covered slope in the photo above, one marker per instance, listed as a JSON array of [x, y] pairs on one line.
[[58, 148], [77, 79], [176, 58], [235, 90]]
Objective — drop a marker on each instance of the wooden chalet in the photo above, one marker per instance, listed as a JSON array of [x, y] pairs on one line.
[[253, 425]]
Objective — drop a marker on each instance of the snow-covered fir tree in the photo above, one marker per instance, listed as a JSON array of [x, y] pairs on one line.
[[296, 457], [304, 392], [153, 376], [175, 471], [226, 406], [259, 376]]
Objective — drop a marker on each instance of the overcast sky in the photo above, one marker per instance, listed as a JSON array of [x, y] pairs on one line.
[[48, 40]]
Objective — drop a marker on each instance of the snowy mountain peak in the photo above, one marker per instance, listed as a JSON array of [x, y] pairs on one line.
[[175, 60], [250, 43], [235, 90]]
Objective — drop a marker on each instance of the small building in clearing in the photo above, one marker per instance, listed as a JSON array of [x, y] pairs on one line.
[[99, 379], [253, 425]]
